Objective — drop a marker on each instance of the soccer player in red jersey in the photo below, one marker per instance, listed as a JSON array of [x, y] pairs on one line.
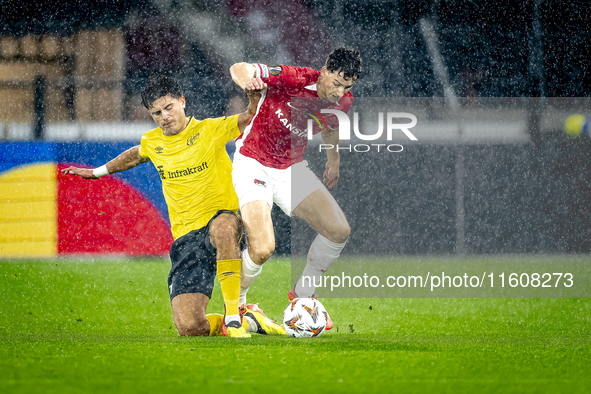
[[269, 159]]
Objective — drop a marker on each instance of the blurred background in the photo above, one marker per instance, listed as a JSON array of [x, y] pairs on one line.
[[71, 74]]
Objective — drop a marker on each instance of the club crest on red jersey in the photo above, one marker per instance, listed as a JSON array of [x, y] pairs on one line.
[[260, 183]]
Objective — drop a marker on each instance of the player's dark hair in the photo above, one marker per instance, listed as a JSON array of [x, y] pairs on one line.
[[346, 60], [160, 86]]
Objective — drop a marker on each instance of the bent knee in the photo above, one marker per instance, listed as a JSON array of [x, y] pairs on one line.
[[339, 233], [261, 252], [193, 328]]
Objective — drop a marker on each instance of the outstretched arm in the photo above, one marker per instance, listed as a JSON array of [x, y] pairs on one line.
[[126, 160], [253, 90]]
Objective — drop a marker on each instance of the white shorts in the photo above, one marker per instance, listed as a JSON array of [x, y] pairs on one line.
[[287, 188]]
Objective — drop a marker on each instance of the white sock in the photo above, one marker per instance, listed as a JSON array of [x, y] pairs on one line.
[[249, 272], [321, 255], [306, 287], [231, 318]]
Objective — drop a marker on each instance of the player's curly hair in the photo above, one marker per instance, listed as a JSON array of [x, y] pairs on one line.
[[160, 86], [346, 60]]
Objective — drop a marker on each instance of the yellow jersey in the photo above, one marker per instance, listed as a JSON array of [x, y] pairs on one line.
[[195, 170]]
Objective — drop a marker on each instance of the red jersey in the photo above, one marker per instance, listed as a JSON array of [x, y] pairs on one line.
[[277, 134]]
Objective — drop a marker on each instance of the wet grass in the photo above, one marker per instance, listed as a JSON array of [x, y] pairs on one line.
[[69, 326]]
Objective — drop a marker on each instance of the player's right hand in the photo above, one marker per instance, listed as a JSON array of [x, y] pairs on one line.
[[85, 173], [331, 174], [255, 85]]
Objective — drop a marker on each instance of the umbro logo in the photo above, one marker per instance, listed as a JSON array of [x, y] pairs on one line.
[[159, 149]]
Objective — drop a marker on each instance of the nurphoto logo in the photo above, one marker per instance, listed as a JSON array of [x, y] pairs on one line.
[[392, 125]]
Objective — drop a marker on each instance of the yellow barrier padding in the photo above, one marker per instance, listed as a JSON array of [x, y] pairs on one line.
[[36, 190], [28, 249], [28, 211]]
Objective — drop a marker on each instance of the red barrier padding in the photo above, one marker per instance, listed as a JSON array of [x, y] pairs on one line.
[[107, 216]]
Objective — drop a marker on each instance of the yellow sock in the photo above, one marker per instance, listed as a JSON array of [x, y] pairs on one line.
[[229, 278], [215, 324]]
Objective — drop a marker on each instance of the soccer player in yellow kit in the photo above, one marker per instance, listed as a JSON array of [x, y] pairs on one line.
[[196, 175]]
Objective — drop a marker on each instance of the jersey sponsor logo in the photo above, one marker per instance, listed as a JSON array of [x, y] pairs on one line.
[[191, 140], [275, 70], [258, 182], [181, 173], [159, 149], [283, 119], [264, 71]]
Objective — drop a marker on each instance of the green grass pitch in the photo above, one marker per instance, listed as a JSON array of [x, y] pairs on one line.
[[105, 326]]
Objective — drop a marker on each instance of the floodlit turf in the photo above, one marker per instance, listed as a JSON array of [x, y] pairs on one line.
[[106, 327]]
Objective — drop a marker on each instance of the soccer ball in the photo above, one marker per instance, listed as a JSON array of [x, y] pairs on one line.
[[576, 125], [304, 318]]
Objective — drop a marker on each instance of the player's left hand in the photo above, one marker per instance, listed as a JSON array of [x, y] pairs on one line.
[[255, 85], [331, 174], [85, 173]]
